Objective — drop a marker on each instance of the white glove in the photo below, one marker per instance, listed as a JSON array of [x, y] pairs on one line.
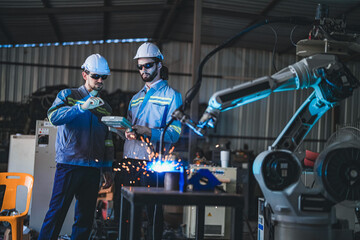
[[92, 102]]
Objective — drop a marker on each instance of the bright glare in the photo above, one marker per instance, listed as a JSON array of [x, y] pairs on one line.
[[164, 166]]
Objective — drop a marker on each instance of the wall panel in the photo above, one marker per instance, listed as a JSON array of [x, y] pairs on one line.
[[25, 70]]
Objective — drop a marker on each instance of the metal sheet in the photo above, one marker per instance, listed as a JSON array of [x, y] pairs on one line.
[[24, 70]]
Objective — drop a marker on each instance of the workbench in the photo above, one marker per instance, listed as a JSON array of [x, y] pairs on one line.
[[134, 198]]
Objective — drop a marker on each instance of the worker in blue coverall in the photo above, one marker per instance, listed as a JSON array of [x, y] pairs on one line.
[[151, 108], [149, 111], [84, 150]]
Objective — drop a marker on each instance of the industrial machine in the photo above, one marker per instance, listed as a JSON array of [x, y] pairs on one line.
[[36, 155], [261, 219], [299, 212], [21, 160], [328, 35], [290, 209], [44, 172]]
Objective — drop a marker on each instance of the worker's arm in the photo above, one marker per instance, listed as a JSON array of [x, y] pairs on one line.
[[64, 110]]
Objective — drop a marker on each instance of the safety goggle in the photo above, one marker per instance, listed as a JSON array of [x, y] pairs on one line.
[[97, 76], [146, 65]]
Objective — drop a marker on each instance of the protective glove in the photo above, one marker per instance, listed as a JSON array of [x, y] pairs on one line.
[[130, 134], [91, 103], [108, 179], [142, 130]]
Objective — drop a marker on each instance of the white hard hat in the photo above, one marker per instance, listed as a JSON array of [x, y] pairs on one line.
[[148, 50], [96, 63]]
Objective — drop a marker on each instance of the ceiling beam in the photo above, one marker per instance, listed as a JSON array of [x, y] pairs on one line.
[[165, 24], [53, 21], [106, 20], [78, 10]]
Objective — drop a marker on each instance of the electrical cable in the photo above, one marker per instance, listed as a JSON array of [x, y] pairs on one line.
[[162, 138], [291, 33], [191, 93], [274, 48]]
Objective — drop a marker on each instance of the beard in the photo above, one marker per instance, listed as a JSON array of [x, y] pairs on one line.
[[97, 87], [146, 77]]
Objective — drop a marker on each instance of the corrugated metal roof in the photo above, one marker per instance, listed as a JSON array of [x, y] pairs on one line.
[[21, 4], [77, 3], [160, 20]]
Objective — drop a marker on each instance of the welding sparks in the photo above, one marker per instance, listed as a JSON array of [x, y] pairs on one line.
[[172, 149], [165, 166], [155, 162]]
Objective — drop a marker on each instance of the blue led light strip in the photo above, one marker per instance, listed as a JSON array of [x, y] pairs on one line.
[[129, 40]]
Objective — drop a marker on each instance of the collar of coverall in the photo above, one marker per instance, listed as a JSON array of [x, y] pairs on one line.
[[156, 85]]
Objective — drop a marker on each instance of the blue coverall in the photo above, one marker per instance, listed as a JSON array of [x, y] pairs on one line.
[[153, 109], [84, 148]]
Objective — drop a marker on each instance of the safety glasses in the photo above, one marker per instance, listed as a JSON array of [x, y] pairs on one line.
[[97, 76], [146, 65]]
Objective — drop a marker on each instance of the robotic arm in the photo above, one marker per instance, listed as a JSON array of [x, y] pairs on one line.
[[331, 80], [297, 211]]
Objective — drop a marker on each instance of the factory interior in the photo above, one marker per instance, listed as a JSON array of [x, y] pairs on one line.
[[180, 119]]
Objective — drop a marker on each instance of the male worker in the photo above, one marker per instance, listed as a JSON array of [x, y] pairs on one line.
[[84, 149], [149, 111], [151, 108]]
